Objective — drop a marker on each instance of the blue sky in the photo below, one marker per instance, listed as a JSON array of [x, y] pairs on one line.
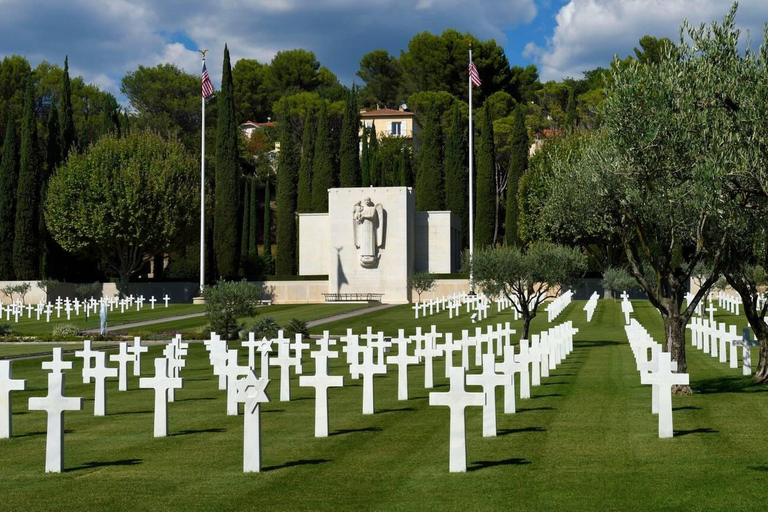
[[107, 38]]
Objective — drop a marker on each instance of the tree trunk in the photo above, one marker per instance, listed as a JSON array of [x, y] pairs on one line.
[[526, 325], [674, 334], [756, 321]]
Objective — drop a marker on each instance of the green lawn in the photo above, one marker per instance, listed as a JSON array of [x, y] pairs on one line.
[[31, 348], [585, 441]]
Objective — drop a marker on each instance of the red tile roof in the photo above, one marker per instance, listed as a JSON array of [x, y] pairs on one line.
[[386, 112], [259, 125]]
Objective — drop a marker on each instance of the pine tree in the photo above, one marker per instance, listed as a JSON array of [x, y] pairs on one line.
[[485, 216], [245, 236], [267, 230], [365, 160], [518, 164], [253, 250], [571, 119], [323, 175], [9, 177], [226, 229], [304, 199], [456, 178], [349, 147], [110, 116], [287, 175], [430, 184], [68, 134], [374, 158], [26, 246]]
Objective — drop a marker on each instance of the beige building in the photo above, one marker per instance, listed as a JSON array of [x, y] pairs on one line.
[[390, 122]]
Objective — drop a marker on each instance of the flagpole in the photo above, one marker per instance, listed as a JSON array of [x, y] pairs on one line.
[[202, 195], [471, 191]]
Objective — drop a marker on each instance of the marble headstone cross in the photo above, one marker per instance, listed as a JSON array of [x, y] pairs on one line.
[[353, 350], [122, 359], [55, 404], [233, 371], [161, 383], [265, 347], [100, 372], [428, 353], [87, 354], [252, 392], [457, 399], [321, 381], [489, 379], [57, 364], [7, 385], [136, 349], [509, 367], [369, 369], [284, 361], [525, 358], [402, 360], [665, 379], [298, 346], [251, 344], [166, 299]]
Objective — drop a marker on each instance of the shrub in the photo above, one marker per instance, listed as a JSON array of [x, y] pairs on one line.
[[5, 329], [267, 327], [617, 279], [87, 290], [227, 301], [66, 330], [296, 326]]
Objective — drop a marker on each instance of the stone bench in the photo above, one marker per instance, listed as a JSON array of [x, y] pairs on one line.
[[353, 297]]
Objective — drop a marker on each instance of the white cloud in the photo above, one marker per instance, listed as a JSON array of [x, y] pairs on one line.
[[588, 33]]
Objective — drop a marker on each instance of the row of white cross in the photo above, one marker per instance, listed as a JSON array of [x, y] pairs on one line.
[[453, 304], [657, 369], [722, 341], [88, 307], [590, 306], [557, 305], [729, 303], [626, 307]]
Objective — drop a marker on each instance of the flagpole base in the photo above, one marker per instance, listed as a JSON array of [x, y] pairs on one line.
[[198, 300]]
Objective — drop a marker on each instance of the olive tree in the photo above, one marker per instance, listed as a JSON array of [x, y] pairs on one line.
[[527, 277], [227, 301], [124, 199], [421, 282], [616, 279]]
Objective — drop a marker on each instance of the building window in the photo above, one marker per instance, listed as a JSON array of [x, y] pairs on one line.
[[367, 123], [395, 129]]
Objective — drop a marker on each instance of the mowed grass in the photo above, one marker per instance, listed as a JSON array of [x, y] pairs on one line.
[[586, 440]]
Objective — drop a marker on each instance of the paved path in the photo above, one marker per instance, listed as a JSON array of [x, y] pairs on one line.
[[146, 322], [350, 314]]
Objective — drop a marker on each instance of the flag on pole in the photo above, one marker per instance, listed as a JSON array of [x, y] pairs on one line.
[[207, 85], [473, 75]]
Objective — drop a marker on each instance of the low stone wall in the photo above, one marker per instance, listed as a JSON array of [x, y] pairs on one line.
[[294, 292]]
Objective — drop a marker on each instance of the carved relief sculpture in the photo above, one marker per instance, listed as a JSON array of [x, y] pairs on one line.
[[368, 222]]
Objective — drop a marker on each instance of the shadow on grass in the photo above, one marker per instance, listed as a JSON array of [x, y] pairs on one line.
[[33, 434], [527, 409], [553, 383], [546, 396], [273, 410], [602, 343], [482, 464], [124, 413], [343, 431], [681, 433], [401, 409], [687, 408], [194, 399], [508, 431], [302, 462], [92, 465], [202, 431], [758, 468], [740, 384]]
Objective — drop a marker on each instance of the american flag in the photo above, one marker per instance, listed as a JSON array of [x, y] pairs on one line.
[[207, 85], [473, 75]]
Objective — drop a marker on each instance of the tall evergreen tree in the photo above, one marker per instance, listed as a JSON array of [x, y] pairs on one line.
[[456, 178], [9, 178], [518, 164], [287, 175], [26, 245], [485, 216], [53, 150], [349, 148], [110, 116], [404, 167], [267, 230], [304, 199], [365, 160], [323, 173], [374, 158], [571, 118], [253, 250], [430, 183], [227, 197], [68, 134], [245, 236]]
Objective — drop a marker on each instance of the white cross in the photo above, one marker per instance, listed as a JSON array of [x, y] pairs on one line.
[[252, 392], [524, 357], [251, 344], [175, 362], [136, 349], [55, 404], [402, 360], [321, 381], [87, 354], [122, 359], [457, 399], [166, 299], [448, 348], [7, 385], [416, 309], [368, 369], [353, 350], [489, 379], [99, 372], [58, 363], [429, 352], [535, 352], [381, 345], [298, 347], [665, 379], [233, 371], [265, 347], [284, 361], [161, 383], [152, 301], [509, 367], [711, 310], [48, 309]]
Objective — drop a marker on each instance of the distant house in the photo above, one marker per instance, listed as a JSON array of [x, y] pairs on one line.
[[540, 137], [390, 122], [249, 127]]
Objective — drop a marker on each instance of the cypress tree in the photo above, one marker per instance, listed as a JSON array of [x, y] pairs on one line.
[[349, 147], [26, 246], [110, 117], [404, 167], [9, 177], [68, 134], [518, 164], [456, 198], [374, 156], [365, 161], [53, 150], [430, 184], [253, 250], [571, 118], [226, 229], [245, 236], [304, 199], [323, 175], [287, 174], [485, 216], [267, 230]]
